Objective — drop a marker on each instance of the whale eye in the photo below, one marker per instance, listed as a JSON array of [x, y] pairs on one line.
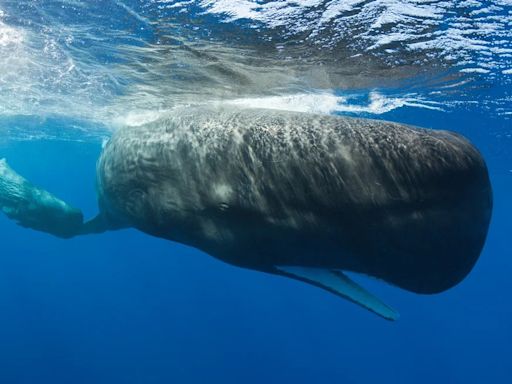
[[223, 206], [136, 194], [134, 201]]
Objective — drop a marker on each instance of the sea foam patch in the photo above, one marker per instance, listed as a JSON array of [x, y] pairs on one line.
[[329, 103], [9, 37]]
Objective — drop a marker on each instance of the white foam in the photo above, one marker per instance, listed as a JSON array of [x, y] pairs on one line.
[[138, 117], [317, 102], [9, 37], [379, 104], [475, 70], [306, 102], [242, 9], [328, 103]]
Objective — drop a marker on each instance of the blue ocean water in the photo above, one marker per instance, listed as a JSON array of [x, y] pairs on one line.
[[124, 307]]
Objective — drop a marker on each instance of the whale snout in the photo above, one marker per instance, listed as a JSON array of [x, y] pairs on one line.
[[438, 241]]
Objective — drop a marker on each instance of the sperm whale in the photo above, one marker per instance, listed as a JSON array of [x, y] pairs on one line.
[[300, 195]]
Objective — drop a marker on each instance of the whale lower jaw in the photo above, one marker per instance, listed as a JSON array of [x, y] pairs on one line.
[[341, 285]]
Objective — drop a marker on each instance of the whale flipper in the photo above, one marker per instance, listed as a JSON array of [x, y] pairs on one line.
[[340, 284]]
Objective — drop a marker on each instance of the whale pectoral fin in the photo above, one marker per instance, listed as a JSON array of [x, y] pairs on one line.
[[340, 284]]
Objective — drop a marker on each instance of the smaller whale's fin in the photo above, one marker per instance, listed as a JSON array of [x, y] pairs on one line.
[[340, 284]]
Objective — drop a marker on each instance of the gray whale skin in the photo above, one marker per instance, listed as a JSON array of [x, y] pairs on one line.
[[300, 195]]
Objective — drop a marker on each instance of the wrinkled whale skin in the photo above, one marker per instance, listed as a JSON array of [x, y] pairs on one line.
[[260, 188]]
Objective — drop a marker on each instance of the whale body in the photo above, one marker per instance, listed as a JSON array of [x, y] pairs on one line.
[[295, 194]]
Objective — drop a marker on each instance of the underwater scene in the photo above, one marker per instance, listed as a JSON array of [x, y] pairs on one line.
[[255, 191]]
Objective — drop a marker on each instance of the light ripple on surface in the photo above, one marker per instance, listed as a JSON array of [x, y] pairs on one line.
[[127, 62]]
